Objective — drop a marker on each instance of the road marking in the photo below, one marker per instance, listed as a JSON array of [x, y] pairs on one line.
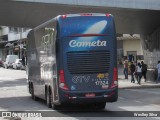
[[121, 98]]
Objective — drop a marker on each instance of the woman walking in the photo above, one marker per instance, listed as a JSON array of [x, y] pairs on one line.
[[139, 73]]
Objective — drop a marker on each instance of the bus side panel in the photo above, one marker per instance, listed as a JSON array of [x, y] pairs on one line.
[[42, 59], [114, 97], [32, 60]]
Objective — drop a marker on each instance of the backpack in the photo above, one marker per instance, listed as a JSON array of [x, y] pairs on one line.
[[144, 67]]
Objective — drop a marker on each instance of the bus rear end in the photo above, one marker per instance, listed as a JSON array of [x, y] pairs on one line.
[[88, 69]]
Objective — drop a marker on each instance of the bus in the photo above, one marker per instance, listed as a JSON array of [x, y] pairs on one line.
[[72, 59]]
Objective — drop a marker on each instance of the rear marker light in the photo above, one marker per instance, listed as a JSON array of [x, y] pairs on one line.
[[64, 16], [108, 15]]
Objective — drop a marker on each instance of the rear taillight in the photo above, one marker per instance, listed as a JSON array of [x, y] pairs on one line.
[[115, 78], [62, 83], [115, 74]]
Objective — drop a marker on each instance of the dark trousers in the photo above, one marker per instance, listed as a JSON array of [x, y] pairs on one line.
[[139, 76], [144, 74], [125, 71], [158, 78], [132, 77]]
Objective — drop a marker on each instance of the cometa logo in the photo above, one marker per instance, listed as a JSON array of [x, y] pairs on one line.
[[74, 43]]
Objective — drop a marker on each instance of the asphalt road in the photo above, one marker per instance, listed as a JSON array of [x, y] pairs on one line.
[[14, 96]]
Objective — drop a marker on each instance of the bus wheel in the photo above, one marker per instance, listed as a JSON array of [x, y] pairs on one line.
[[49, 99], [32, 93], [55, 107], [30, 90]]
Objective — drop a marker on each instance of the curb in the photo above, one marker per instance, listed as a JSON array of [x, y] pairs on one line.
[[139, 87]]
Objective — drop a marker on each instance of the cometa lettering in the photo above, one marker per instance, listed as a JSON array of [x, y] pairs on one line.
[[74, 43]]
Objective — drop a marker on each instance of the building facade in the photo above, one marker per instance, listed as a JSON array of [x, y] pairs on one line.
[[12, 41], [131, 46]]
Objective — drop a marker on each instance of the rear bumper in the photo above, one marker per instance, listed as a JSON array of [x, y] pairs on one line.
[[110, 95]]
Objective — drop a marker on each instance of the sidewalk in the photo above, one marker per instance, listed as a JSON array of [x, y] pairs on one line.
[[126, 83]]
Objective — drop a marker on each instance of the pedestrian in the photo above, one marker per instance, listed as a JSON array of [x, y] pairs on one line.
[[158, 68], [23, 61], [139, 73], [144, 70], [125, 70], [132, 69]]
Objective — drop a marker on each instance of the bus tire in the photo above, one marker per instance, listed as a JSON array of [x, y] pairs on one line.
[[32, 93], [29, 87], [49, 98], [55, 107]]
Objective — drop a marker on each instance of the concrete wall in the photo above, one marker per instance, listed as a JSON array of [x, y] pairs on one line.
[[138, 4], [151, 46], [151, 58]]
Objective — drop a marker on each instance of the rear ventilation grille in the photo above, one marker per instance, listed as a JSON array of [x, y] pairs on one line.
[[86, 62]]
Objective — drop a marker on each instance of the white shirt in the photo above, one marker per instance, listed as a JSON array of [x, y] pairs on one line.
[[158, 67], [139, 69]]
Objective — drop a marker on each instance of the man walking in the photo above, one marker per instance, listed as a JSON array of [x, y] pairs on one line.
[[144, 70], [132, 68]]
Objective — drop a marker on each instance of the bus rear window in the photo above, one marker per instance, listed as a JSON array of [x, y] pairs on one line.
[[87, 25]]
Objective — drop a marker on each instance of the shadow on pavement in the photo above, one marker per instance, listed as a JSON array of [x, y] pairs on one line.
[[12, 82]]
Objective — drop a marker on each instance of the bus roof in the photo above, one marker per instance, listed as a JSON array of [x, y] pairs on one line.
[[71, 15], [86, 14]]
